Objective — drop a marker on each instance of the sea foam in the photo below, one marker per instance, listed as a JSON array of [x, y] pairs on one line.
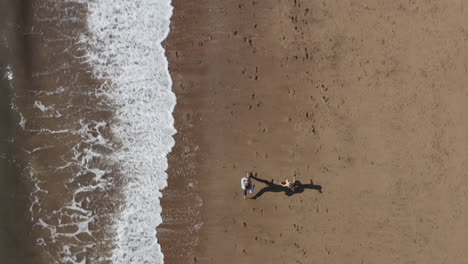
[[125, 51]]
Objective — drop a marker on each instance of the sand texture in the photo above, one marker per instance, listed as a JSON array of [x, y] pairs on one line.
[[366, 99]]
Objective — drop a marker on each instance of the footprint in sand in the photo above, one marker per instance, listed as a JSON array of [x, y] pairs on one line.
[[313, 130], [298, 228], [255, 210], [244, 70], [291, 92]]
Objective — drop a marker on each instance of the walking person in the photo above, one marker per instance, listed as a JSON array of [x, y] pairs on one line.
[[246, 184]]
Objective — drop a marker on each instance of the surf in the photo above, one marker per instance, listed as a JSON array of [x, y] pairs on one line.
[[125, 51]]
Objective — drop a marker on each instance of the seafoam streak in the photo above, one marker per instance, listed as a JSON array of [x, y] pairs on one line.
[[124, 49]]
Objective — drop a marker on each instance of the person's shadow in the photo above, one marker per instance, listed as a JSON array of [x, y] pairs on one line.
[[272, 187]]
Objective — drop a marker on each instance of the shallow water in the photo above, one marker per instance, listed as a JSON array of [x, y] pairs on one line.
[[92, 105]]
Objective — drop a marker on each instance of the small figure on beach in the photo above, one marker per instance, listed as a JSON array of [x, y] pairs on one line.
[[246, 184]]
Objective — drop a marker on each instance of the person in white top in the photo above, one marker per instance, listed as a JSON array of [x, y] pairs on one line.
[[246, 184]]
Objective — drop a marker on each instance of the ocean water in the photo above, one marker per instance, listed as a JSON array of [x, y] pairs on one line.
[[94, 105]]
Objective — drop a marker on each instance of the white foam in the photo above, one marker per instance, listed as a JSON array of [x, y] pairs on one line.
[[23, 121], [40, 106], [8, 73], [125, 51]]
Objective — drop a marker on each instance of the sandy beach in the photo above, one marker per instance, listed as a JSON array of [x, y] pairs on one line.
[[367, 99]]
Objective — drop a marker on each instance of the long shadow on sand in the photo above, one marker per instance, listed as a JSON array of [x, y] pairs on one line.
[[272, 187]]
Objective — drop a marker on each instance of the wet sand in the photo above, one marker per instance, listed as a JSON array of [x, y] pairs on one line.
[[366, 99]]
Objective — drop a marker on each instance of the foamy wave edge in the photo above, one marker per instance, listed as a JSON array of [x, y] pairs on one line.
[[124, 48]]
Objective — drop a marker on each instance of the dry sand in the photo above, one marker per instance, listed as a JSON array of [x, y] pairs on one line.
[[365, 98]]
